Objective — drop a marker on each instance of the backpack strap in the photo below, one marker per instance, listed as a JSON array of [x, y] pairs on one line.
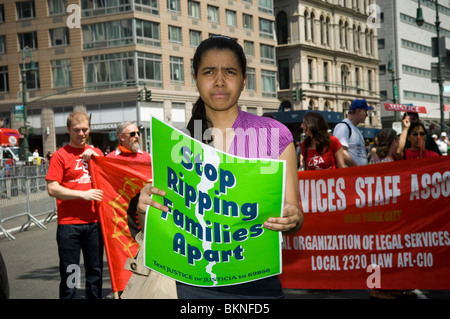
[[349, 128]]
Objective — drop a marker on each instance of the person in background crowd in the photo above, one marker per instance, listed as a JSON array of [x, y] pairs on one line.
[[408, 119], [443, 143], [386, 144], [320, 150], [220, 73], [435, 137], [129, 147], [416, 136], [69, 181], [352, 141]]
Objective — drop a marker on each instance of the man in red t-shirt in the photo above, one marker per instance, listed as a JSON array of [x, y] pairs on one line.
[[129, 147], [69, 181]]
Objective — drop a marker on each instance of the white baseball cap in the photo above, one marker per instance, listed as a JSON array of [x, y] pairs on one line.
[[443, 134], [434, 136]]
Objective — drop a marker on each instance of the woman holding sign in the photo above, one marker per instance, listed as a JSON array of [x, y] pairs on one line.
[[219, 66]]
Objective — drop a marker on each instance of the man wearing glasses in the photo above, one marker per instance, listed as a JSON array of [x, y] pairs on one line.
[[129, 147]]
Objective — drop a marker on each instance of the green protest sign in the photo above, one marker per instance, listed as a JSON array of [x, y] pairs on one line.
[[213, 234]]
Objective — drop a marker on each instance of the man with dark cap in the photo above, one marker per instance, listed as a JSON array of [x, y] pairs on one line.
[[350, 137]]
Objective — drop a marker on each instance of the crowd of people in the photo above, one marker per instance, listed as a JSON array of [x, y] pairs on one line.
[[219, 66]]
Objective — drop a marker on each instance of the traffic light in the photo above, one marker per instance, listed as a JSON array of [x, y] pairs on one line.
[[295, 95], [140, 95], [302, 95], [148, 95]]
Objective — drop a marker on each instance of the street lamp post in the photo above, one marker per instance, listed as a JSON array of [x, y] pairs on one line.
[[391, 70], [440, 79], [23, 147]]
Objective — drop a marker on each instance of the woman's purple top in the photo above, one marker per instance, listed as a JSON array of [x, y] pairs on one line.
[[259, 137]]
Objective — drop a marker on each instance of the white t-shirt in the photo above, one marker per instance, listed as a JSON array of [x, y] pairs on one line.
[[442, 146], [356, 146]]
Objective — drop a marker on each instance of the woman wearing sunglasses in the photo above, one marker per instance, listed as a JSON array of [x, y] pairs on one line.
[[416, 136]]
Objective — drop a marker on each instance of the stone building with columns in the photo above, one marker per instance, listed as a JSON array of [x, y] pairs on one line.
[[328, 49], [97, 55]]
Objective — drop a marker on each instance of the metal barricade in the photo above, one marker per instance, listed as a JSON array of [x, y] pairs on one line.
[[25, 196]]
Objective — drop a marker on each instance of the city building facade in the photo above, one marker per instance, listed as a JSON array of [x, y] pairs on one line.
[[327, 49], [406, 58]]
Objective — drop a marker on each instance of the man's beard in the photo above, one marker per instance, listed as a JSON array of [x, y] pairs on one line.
[[135, 147]]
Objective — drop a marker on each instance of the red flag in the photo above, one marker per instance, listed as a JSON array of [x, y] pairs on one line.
[[120, 181]]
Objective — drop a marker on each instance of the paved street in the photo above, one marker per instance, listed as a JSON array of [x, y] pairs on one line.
[[32, 265]]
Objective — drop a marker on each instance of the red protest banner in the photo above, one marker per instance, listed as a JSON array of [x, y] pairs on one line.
[[393, 215], [120, 181], [405, 108]]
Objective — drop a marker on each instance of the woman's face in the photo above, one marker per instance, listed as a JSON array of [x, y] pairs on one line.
[[305, 129], [219, 80], [417, 137]]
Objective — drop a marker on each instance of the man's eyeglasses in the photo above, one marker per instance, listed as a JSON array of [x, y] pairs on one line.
[[133, 134], [421, 134]]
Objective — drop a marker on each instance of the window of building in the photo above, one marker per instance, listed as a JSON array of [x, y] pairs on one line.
[[266, 28], [282, 28], [59, 37], [173, 6], [265, 6], [247, 21], [109, 70], [213, 14], [250, 84], [231, 18], [101, 7], [107, 34], [4, 82], [175, 34], [381, 43], [194, 9], [283, 74], [195, 37], [56, 7], [2, 13], [267, 53], [147, 6], [62, 73], [28, 39], [249, 48], [176, 69], [344, 77], [147, 32], [25, 10], [268, 83], [149, 68], [2, 44]]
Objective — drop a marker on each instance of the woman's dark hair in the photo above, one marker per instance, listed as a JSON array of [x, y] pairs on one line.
[[319, 129], [213, 43], [414, 125], [383, 141]]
